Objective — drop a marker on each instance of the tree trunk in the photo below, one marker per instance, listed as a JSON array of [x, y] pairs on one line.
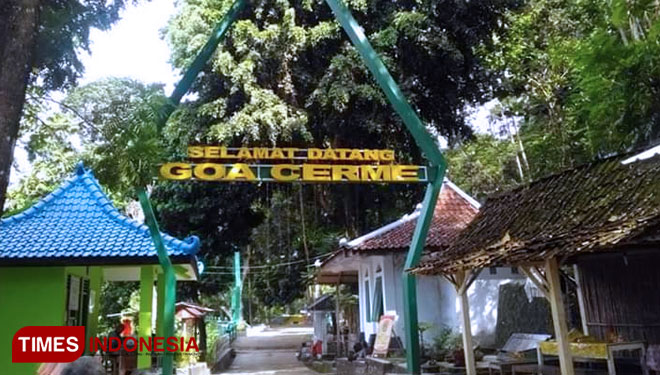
[[19, 20]]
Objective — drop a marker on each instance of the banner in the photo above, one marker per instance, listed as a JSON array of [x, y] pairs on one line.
[[222, 164]]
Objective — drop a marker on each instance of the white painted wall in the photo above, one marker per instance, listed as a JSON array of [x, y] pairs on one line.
[[436, 298], [483, 296]]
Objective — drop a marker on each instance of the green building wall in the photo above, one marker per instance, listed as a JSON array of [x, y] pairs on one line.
[[36, 296]]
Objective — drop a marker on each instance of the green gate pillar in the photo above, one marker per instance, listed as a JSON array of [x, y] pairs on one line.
[[237, 303], [146, 301], [428, 145], [417, 244], [168, 290]]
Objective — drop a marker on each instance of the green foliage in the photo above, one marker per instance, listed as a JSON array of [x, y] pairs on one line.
[[617, 86], [119, 122], [446, 342], [286, 74], [115, 298], [583, 75], [483, 165], [109, 124]]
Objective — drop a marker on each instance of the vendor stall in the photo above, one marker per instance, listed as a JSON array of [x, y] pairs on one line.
[[596, 228]]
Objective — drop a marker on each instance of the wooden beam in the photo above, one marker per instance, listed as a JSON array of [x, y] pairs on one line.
[[463, 281], [337, 310], [470, 276], [559, 317], [540, 283], [450, 279]]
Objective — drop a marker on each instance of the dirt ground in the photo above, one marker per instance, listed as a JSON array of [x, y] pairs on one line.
[[270, 351]]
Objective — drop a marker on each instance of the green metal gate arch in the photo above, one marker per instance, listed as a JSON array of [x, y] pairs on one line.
[[437, 168]]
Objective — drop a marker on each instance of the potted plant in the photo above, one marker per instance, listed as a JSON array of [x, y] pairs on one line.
[[443, 344], [457, 352]]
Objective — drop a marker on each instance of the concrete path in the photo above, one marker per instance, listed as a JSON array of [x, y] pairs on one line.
[[270, 351]]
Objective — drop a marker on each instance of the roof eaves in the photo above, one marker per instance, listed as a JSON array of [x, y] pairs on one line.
[[189, 246], [384, 229]]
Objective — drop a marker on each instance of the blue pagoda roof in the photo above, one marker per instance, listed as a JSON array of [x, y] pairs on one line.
[[78, 223]]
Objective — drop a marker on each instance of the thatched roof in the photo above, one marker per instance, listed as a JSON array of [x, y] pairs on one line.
[[592, 208]]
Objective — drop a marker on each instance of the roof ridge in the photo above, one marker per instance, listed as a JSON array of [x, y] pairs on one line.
[[473, 202], [590, 164]]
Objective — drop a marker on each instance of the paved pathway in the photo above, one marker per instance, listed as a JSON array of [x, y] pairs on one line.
[[270, 352]]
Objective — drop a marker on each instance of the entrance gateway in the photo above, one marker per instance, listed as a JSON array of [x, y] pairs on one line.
[[433, 174], [292, 165]]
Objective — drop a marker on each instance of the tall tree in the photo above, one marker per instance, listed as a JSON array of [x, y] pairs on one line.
[[18, 28], [584, 77], [39, 43], [108, 124], [286, 74]]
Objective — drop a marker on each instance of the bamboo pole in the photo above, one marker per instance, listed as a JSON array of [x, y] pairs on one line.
[[581, 302], [559, 317]]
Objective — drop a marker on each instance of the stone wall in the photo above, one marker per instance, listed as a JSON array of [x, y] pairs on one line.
[[517, 314]]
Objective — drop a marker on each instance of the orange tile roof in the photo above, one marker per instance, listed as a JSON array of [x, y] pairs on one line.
[[453, 212]]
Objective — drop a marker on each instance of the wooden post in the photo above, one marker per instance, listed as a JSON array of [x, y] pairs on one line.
[[559, 317], [462, 285]]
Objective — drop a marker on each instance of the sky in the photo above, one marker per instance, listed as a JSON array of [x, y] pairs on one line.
[[134, 49]]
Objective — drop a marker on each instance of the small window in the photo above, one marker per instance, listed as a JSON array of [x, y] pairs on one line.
[[492, 270], [367, 300], [514, 270], [77, 305], [378, 309]]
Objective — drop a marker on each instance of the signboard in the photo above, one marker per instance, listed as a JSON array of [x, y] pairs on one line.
[[383, 336], [289, 164]]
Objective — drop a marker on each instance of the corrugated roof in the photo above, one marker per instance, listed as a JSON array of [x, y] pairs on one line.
[[77, 221], [453, 211], [594, 207]]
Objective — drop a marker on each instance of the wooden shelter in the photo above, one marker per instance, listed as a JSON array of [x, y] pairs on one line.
[[601, 218]]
